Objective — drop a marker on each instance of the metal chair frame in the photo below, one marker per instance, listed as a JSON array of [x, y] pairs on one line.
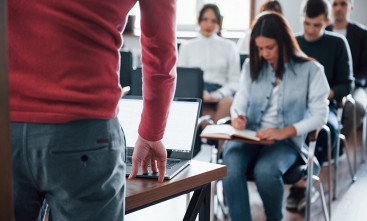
[[353, 170]]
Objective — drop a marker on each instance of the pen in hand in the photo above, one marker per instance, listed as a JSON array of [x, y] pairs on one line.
[[239, 122], [235, 110]]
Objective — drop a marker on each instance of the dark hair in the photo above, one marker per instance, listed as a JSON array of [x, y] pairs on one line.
[[271, 5], [314, 8], [273, 25], [212, 7], [350, 1]]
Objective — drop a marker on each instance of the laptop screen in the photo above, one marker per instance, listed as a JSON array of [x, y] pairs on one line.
[[180, 129]]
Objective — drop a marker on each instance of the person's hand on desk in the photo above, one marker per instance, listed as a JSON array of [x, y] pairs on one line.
[[277, 134], [148, 150], [212, 97], [239, 122]]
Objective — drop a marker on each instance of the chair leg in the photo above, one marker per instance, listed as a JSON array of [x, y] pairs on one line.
[[331, 182], [364, 137], [327, 213], [311, 177], [220, 202], [354, 132], [332, 186], [336, 168], [352, 172]]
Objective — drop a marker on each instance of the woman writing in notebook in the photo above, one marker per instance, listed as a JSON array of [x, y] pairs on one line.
[[283, 96]]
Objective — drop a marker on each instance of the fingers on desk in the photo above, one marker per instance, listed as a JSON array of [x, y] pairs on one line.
[[134, 170], [162, 170], [153, 164]]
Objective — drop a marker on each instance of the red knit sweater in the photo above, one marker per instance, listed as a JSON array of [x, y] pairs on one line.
[[64, 60]]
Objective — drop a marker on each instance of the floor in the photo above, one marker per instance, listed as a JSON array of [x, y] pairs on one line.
[[350, 205]]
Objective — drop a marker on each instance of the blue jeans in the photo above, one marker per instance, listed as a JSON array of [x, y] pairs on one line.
[[210, 87], [268, 164], [77, 167]]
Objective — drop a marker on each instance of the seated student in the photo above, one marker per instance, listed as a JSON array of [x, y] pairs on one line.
[[218, 58], [282, 95], [267, 5], [356, 35], [332, 51]]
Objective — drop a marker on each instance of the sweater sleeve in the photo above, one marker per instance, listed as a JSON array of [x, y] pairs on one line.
[[362, 71], [158, 40], [240, 101], [344, 79], [318, 91]]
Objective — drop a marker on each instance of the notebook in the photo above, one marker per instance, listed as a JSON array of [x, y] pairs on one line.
[[179, 136]]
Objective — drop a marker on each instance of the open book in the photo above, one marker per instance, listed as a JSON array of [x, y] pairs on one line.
[[227, 132]]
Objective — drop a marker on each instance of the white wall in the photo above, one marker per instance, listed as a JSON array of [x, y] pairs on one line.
[[359, 13]]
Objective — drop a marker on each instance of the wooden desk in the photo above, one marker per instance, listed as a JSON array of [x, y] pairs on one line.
[[142, 193]]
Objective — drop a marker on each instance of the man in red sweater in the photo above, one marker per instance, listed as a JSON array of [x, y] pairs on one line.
[[68, 146]]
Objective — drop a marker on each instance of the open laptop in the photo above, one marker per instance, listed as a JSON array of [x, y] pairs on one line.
[[179, 136]]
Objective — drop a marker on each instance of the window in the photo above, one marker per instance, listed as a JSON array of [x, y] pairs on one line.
[[236, 14]]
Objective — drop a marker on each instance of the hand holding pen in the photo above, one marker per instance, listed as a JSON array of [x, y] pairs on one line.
[[239, 122]]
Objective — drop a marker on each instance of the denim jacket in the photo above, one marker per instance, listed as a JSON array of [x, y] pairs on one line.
[[302, 98]]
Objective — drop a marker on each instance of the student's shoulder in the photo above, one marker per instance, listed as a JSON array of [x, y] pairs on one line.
[[299, 35], [225, 42], [334, 37], [311, 66], [357, 26]]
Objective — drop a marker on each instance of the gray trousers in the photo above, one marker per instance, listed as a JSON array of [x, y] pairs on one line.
[[77, 167]]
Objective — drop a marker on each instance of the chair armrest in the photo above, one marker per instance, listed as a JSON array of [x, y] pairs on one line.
[[204, 119], [125, 90], [312, 136], [349, 98], [311, 151], [348, 101], [224, 120]]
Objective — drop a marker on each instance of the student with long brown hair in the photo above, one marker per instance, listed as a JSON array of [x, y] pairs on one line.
[[276, 99]]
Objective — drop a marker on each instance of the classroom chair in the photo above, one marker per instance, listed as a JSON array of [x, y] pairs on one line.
[[242, 59]]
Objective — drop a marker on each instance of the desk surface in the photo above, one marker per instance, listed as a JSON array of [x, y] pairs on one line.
[[140, 192]]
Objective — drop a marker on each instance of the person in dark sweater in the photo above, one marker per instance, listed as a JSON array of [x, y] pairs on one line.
[[356, 35], [333, 52]]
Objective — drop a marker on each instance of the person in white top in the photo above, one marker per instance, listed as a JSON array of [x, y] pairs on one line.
[[218, 58], [267, 5]]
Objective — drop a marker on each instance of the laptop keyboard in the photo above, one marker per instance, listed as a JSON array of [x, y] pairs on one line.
[[170, 162]]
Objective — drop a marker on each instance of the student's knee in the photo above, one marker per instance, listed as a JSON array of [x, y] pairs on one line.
[[267, 176], [232, 158]]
